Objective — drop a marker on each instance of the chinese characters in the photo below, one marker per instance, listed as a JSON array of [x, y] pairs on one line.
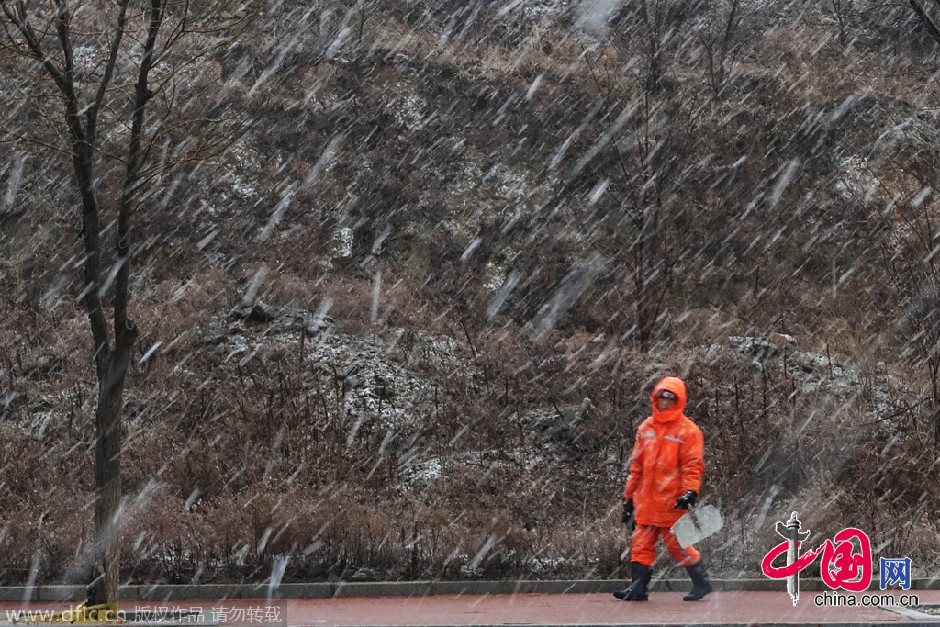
[[840, 567], [895, 571]]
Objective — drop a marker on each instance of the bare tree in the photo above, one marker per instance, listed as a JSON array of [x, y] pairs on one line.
[[112, 99], [909, 243], [720, 42], [909, 250], [843, 10], [638, 157]]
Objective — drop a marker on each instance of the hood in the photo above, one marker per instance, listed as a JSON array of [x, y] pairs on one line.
[[677, 387]]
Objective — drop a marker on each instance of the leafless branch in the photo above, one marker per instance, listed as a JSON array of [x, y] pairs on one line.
[[925, 19], [120, 27], [15, 137], [18, 16]]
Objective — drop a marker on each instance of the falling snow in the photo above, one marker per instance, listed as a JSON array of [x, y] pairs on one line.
[[403, 275]]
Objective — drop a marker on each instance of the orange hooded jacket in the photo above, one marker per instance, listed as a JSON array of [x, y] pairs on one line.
[[667, 461]]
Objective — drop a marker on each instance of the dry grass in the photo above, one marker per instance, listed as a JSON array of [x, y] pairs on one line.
[[254, 460]]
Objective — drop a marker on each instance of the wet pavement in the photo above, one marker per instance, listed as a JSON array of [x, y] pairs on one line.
[[663, 608]]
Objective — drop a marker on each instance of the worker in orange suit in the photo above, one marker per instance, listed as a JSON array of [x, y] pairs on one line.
[[665, 478]]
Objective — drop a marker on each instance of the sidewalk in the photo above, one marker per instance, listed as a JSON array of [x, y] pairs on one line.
[[663, 608], [344, 589], [500, 606]]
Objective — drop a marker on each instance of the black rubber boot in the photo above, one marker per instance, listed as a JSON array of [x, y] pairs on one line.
[[639, 589], [700, 583]]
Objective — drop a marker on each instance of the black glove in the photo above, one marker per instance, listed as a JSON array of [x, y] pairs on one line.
[[627, 516], [686, 500]]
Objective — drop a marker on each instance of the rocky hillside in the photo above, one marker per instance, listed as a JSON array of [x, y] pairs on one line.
[[405, 323]]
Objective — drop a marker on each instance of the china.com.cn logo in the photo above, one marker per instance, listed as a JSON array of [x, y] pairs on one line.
[[841, 567]]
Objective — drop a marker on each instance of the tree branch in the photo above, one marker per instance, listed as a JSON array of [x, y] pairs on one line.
[[82, 163], [125, 330], [925, 20], [18, 17], [62, 19], [17, 137], [92, 114]]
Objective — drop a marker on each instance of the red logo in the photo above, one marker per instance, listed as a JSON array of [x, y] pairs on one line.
[[841, 566]]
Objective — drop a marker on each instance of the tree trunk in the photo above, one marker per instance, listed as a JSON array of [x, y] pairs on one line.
[[111, 377], [108, 486]]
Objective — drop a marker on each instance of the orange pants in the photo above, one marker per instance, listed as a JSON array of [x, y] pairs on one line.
[[644, 546]]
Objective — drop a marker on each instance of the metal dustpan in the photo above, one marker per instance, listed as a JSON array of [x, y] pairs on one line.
[[697, 525]]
